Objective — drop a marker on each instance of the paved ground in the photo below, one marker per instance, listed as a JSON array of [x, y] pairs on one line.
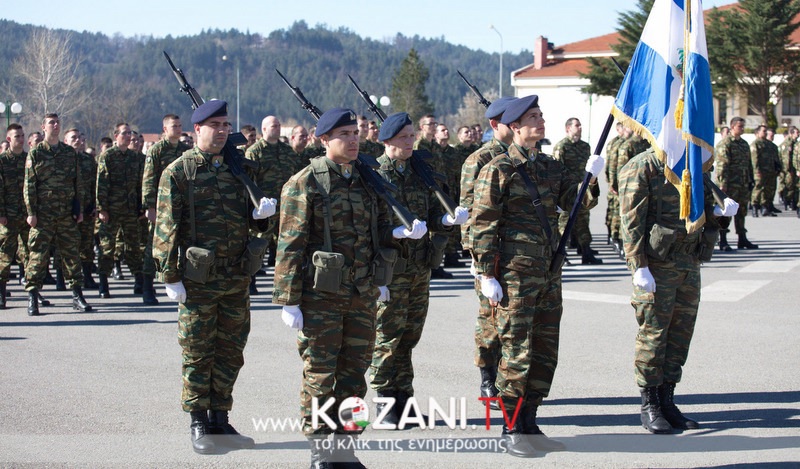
[[102, 389]]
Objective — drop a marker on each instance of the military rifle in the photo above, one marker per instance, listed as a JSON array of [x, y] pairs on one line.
[[364, 164], [417, 159], [486, 103], [229, 152]]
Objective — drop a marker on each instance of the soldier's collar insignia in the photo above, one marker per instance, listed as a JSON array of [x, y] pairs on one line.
[[347, 170], [400, 166], [216, 161]]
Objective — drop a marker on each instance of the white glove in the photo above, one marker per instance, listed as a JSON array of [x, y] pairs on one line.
[[461, 216], [292, 316], [730, 209], [642, 278], [265, 209], [176, 291], [491, 289], [595, 165], [385, 296], [418, 230], [472, 270]]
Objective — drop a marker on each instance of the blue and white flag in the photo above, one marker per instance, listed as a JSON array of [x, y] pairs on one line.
[[669, 72]]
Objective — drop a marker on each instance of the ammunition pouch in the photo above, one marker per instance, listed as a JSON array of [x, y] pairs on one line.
[[383, 266], [436, 250], [328, 268], [198, 264], [708, 240], [659, 244], [254, 255]]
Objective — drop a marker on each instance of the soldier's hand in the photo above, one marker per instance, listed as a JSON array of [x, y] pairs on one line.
[[595, 165], [461, 217], [385, 295], [472, 270], [729, 210], [151, 215], [292, 316], [103, 215], [418, 230], [176, 291], [32, 220], [643, 279], [3, 221], [491, 289], [266, 208]]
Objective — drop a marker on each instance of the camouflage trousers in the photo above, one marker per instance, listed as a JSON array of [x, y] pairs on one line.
[[335, 345], [87, 231], [528, 322], [453, 242], [580, 230], [789, 186], [398, 330], [487, 343], [63, 233], [148, 265], [16, 229], [108, 241], [666, 321], [613, 219], [764, 191], [213, 325]]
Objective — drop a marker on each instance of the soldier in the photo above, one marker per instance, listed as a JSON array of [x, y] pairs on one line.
[[450, 162], [789, 166], [513, 239], [734, 173], [105, 144], [299, 143], [574, 153], [330, 217], [161, 155], [666, 282], [88, 168], [401, 316], [187, 139], [12, 206], [250, 133], [766, 161], [34, 139], [365, 145], [213, 305], [487, 344], [613, 200], [52, 193], [372, 136]]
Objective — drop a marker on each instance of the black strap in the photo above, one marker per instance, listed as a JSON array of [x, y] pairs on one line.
[[536, 199], [190, 170]]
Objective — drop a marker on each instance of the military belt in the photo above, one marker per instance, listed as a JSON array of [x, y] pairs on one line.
[[684, 248], [354, 273], [227, 261], [526, 249]]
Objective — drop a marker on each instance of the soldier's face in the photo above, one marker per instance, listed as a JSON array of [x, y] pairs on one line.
[[34, 139], [575, 130], [530, 127], [173, 128], [737, 129], [212, 133], [341, 144], [363, 130], [51, 126], [401, 146], [300, 140], [428, 127], [72, 139], [15, 139], [272, 128], [442, 133], [122, 137]]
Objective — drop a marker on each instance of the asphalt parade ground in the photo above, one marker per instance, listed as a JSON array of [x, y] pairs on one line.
[[102, 389]]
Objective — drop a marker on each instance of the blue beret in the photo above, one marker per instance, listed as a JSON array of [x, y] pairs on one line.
[[516, 109], [213, 108], [334, 118], [498, 107], [393, 125]]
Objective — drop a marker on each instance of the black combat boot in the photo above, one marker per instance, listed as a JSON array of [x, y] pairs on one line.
[[88, 281], [652, 418], [587, 257], [138, 280], [774, 209], [2, 295], [755, 209], [33, 302], [723, 241], [40, 299], [343, 454], [218, 425], [117, 272], [149, 291], [451, 260], [400, 408], [78, 301], [440, 273], [271, 252], [21, 274], [253, 288], [516, 442], [666, 394], [60, 284], [744, 243], [536, 437], [393, 416], [766, 212], [202, 441], [103, 288], [488, 388], [320, 456]]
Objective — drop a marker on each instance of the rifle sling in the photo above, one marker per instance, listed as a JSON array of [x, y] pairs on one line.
[[536, 199]]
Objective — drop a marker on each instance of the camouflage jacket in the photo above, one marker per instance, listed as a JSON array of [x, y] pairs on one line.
[[469, 173], [642, 187], [12, 175], [222, 215], [277, 162], [732, 164], [449, 166], [789, 154], [626, 151], [765, 157], [368, 147], [52, 180], [119, 182], [354, 208], [611, 158], [504, 221], [88, 168], [422, 144], [574, 155], [159, 157]]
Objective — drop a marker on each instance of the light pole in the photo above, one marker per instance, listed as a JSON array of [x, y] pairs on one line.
[[491, 26], [14, 108], [381, 102], [225, 57]]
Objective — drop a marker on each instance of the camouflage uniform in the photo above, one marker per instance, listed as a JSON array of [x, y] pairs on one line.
[[667, 317], [119, 193], [401, 319], [12, 207], [368, 147], [338, 328], [625, 152], [450, 162], [214, 321], [52, 182], [734, 173], [613, 200], [789, 167], [574, 156], [509, 243], [87, 227], [765, 157]]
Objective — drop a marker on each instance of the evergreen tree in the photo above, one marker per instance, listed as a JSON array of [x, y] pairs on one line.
[[408, 87]]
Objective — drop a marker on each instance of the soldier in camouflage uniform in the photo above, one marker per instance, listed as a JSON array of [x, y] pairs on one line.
[[513, 250], [734, 172], [790, 169], [632, 145], [401, 317], [88, 168], [365, 145], [666, 283], [119, 206], [13, 226], [766, 164], [574, 153], [299, 143], [160, 155], [335, 317], [52, 192], [487, 343], [613, 200], [450, 162], [213, 316]]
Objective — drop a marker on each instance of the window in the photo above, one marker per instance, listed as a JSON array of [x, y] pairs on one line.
[[790, 105]]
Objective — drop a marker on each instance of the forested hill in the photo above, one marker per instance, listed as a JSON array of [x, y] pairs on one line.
[[129, 79]]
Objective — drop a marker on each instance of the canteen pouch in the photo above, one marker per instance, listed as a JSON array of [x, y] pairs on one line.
[[400, 265], [708, 240], [254, 254], [436, 250], [198, 264], [384, 262], [659, 245], [327, 271]]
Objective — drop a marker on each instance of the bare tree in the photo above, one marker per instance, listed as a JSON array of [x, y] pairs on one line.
[[471, 110]]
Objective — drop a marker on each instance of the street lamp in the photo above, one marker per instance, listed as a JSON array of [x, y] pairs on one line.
[[14, 108], [225, 57], [381, 102], [491, 26]]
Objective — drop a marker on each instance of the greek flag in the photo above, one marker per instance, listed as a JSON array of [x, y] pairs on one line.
[[666, 97]]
